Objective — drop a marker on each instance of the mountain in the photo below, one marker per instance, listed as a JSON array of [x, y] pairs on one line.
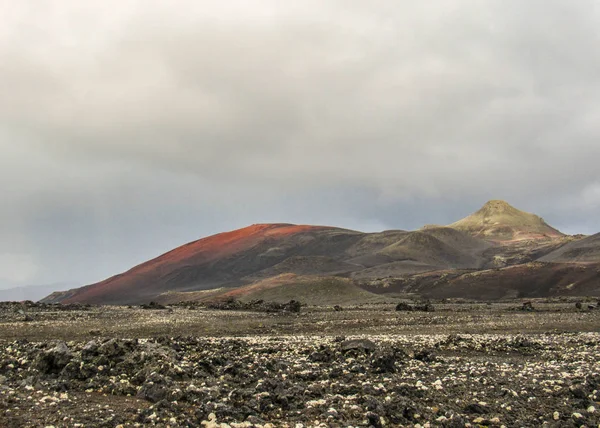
[[299, 261], [499, 221], [221, 260], [585, 250], [258, 252], [31, 292]]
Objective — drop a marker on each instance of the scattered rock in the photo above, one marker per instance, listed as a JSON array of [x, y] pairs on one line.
[[292, 306], [363, 345], [476, 408], [54, 360], [405, 307], [153, 305], [155, 388], [425, 355], [424, 307], [374, 420], [527, 307], [256, 305]]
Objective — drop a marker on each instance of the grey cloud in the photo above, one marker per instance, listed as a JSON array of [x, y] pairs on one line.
[[129, 127]]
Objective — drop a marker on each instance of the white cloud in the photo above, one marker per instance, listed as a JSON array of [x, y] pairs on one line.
[[125, 119], [17, 268]]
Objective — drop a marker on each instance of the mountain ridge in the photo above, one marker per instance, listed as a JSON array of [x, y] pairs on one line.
[[497, 235]]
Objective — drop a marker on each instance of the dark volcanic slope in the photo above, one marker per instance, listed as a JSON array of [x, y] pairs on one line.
[[215, 261], [585, 250], [263, 251], [520, 281], [439, 247]]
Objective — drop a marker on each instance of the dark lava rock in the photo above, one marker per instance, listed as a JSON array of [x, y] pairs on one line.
[[527, 307], [455, 422], [363, 345], [255, 420], [228, 305], [374, 420], [404, 307], [292, 306], [385, 362], [426, 307], [255, 305], [153, 305], [54, 360], [113, 348], [322, 355], [338, 308], [476, 408], [579, 392], [155, 389], [425, 355], [89, 350]]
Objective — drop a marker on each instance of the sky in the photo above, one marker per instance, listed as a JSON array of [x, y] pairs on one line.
[[129, 127]]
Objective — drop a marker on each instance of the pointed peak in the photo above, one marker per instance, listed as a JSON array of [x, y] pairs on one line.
[[498, 220], [498, 205]]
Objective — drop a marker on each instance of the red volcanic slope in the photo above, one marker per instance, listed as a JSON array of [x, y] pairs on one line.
[[147, 277]]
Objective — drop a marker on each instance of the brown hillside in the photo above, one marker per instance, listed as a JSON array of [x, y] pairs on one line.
[[314, 290], [441, 247], [216, 261], [520, 281], [585, 250]]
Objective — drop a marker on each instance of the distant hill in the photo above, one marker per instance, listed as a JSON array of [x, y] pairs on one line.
[[499, 221], [283, 288], [585, 250], [277, 261], [31, 292], [527, 280]]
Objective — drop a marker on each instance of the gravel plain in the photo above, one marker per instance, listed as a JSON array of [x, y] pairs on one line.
[[464, 364]]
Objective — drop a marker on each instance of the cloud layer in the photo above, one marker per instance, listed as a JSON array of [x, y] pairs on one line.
[[129, 127]]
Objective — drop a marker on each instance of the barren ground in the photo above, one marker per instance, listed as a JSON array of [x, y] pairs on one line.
[[463, 365]]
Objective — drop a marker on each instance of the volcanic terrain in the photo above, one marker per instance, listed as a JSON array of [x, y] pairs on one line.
[[490, 321], [497, 252]]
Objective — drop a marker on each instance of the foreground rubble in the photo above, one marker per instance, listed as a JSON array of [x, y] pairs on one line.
[[439, 378], [451, 381]]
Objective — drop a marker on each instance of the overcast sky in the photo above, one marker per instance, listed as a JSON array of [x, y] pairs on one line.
[[129, 127]]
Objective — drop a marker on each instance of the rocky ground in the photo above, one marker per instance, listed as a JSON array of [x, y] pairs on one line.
[[460, 364]]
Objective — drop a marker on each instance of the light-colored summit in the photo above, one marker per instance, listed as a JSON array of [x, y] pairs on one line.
[[499, 221]]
